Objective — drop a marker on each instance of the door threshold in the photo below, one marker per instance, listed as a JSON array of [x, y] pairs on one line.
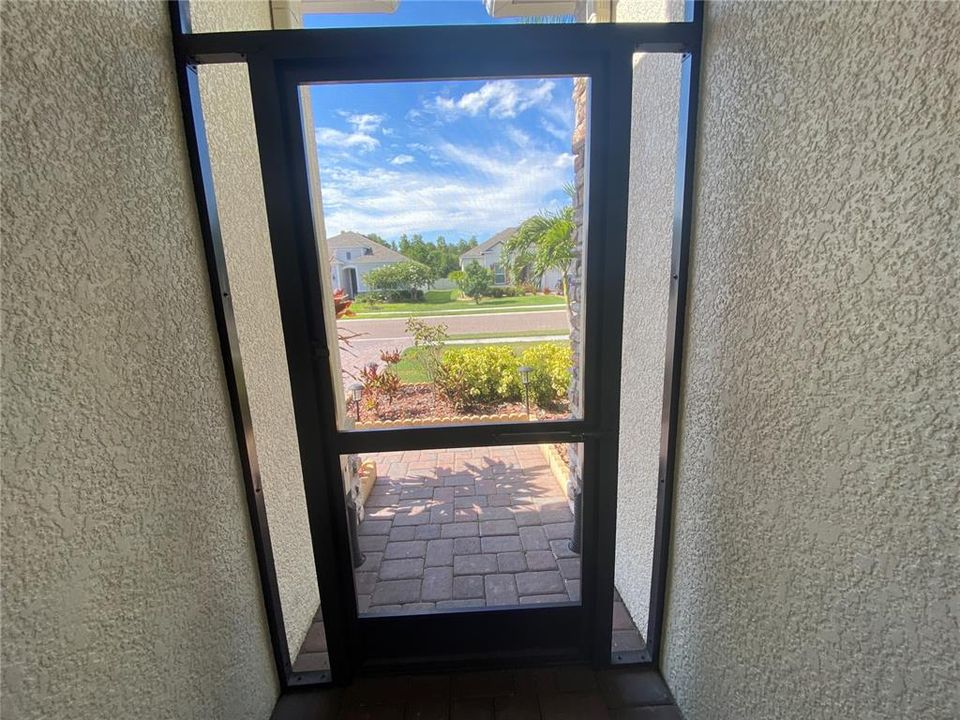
[[535, 692]]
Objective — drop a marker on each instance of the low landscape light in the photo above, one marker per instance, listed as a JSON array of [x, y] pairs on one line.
[[357, 390], [524, 371], [525, 374]]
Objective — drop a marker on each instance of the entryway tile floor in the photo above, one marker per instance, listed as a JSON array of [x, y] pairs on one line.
[[313, 655], [561, 693], [626, 638]]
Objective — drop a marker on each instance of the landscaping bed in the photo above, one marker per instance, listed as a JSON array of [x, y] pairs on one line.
[[418, 400], [411, 370]]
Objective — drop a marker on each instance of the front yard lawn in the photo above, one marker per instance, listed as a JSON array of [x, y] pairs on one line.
[[441, 301], [514, 334]]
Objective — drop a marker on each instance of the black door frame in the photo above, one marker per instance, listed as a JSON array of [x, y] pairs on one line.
[[278, 61]]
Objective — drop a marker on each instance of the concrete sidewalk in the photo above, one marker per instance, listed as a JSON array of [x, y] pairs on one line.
[[463, 311]]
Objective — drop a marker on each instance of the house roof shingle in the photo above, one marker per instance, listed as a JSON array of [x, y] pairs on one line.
[[377, 253], [489, 244]]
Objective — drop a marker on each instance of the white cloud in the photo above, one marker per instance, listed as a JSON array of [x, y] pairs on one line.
[[402, 160], [560, 133], [360, 135], [429, 151], [517, 136], [482, 190], [364, 123], [498, 98], [331, 137]]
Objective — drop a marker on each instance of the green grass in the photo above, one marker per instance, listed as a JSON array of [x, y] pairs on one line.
[[446, 300], [515, 333], [409, 370]]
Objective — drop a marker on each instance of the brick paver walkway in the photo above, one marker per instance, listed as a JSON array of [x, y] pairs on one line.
[[465, 528]]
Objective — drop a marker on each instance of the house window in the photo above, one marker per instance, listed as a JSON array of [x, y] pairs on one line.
[[499, 274], [348, 254]]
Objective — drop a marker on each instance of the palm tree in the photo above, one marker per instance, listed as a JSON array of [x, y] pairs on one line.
[[544, 242]]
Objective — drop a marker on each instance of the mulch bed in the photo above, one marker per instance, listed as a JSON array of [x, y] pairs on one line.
[[562, 451], [417, 401]]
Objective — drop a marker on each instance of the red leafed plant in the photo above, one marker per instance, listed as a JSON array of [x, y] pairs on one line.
[[390, 357], [342, 305], [379, 383]]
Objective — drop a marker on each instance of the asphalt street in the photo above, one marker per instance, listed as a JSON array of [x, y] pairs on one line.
[[377, 334]]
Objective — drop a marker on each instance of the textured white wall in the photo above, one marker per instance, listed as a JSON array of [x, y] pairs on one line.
[[229, 15], [225, 92], [653, 150], [815, 559], [130, 588]]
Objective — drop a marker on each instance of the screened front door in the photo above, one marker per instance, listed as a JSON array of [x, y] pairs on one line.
[[447, 218], [458, 446]]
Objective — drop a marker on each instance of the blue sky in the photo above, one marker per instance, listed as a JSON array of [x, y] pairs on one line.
[[455, 158]]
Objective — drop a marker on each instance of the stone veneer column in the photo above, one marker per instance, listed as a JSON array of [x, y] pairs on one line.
[[588, 12], [575, 284]]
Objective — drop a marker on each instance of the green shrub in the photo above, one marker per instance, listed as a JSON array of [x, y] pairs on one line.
[[475, 376], [370, 299], [430, 341], [474, 281], [549, 372], [400, 281]]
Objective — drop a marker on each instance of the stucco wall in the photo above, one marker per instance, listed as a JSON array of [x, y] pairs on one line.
[[229, 15], [653, 151], [815, 559], [225, 92], [130, 589]]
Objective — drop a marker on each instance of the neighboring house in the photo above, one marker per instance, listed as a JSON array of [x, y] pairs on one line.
[[488, 254], [352, 256]]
